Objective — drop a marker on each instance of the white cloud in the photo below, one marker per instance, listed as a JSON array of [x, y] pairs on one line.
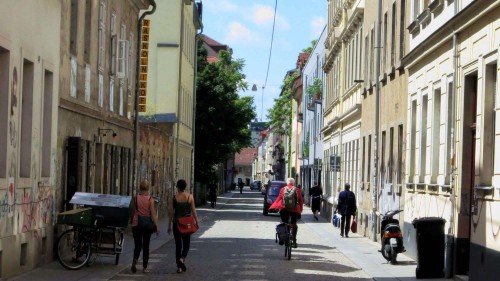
[[263, 15], [239, 34], [220, 6], [317, 25]]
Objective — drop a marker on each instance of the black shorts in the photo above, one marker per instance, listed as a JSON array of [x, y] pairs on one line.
[[288, 217]]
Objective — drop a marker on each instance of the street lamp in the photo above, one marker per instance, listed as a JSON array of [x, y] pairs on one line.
[[254, 89]]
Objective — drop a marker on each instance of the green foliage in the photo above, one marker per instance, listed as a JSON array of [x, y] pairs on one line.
[[315, 88], [305, 148], [309, 49], [222, 116], [280, 115]]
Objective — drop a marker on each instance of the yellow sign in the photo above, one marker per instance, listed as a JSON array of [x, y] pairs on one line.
[[143, 67]]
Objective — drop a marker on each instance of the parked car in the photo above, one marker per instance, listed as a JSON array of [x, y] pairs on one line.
[[256, 185], [271, 192]]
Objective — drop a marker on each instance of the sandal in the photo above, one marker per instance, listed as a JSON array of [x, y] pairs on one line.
[[182, 265], [179, 270], [133, 268], [145, 270]]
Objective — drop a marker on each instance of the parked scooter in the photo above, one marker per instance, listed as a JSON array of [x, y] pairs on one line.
[[391, 237]]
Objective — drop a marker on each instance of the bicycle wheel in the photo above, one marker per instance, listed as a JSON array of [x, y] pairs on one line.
[[289, 245], [73, 250]]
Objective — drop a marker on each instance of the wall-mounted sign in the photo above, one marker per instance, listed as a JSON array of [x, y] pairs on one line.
[[143, 68]]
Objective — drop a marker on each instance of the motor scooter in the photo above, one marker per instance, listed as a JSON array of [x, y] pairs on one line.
[[391, 237]]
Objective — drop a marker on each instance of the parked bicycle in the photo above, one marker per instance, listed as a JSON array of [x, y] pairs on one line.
[[80, 245]]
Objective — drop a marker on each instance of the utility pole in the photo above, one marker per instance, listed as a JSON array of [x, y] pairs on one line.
[[377, 124]]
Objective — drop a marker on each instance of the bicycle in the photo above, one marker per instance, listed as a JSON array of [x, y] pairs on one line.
[[80, 245], [284, 233]]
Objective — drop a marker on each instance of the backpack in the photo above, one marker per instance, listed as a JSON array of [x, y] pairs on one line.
[[290, 198]]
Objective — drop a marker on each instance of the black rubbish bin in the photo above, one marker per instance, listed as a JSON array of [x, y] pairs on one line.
[[430, 247]]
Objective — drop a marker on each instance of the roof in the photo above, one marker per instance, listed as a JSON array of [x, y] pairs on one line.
[[245, 157], [213, 48]]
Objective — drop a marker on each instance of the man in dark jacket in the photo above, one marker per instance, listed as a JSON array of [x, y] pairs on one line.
[[346, 207]]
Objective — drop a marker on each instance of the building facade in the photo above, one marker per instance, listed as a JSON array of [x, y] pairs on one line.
[[170, 82], [383, 184], [29, 91], [452, 165], [342, 101], [311, 169]]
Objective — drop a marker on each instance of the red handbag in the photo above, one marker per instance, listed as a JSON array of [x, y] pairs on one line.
[[187, 225], [354, 225]]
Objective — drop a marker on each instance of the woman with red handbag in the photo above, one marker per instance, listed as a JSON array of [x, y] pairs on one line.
[[182, 206]]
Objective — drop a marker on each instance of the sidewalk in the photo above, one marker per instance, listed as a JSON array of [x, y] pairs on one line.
[[362, 251], [104, 267]]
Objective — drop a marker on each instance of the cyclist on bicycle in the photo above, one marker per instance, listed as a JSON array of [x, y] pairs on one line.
[[289, 204]]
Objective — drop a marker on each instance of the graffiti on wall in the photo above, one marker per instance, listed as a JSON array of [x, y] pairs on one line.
[[32, 207]]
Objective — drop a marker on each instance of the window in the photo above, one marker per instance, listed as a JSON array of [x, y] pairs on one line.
[[73, 35], [436, 130], [120, 110], [384, 46], [74, 77], [100, 98], [363, 161], [4, 105], [393, 34], [131, 62], [122, 53], [423, 138], [26, 119], [372, 56], [114, 42], [402, 29], [400, 154], [488, 144], [413, 139], [368, 163], [416, 9], [48, 93], [88, 27], [102, 36], [391, 155], [87, 82], [111, 94], [367, 52], [382, 160]]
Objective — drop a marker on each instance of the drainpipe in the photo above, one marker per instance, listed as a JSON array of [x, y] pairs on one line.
[[377, 124], [179, 96], [136, 102], [450, 239]]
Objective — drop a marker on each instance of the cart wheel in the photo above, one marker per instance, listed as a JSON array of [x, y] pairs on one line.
[[73, 249], [117, 259]]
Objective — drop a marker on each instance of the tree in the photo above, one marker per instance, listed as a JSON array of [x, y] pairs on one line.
[[280, 115], [309, 49], [222, 116]]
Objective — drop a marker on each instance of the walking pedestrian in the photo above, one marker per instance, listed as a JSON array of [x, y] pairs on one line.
[[289, 214], [212, 194], [145, 207], [182, 205], [316, 192], [346, 207], [240, 185]]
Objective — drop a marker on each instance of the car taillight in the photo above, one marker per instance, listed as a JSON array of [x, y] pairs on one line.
[[388, 234]]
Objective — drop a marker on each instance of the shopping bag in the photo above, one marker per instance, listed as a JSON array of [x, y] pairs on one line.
[[354, 225]]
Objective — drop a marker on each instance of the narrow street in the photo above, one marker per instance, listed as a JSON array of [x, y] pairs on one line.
[[236, 242]]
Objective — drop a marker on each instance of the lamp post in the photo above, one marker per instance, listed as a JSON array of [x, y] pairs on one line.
[[254, 89]]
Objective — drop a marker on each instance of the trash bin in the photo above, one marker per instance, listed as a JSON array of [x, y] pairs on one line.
[[113, 208], [430, 247]]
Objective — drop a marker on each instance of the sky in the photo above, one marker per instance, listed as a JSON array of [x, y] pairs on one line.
[[246, 27]]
